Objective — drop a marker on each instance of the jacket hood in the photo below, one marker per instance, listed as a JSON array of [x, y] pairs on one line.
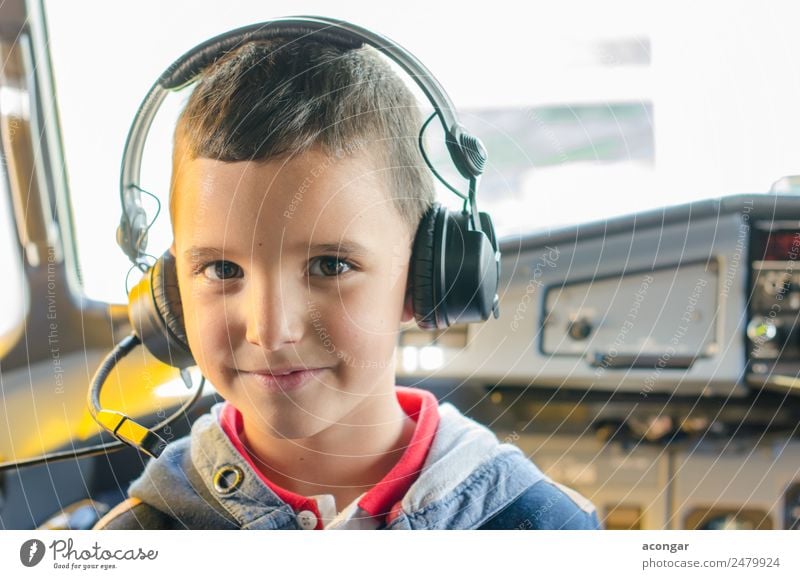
[[467, 477]]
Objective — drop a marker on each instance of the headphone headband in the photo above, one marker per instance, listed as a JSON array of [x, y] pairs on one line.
[[466, 151], [186, 68]]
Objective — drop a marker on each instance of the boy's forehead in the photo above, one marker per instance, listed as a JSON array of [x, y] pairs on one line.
[[312, 196]]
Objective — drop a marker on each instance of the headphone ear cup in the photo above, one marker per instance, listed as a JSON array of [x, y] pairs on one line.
[[425, 268], [167, 297], [455, 270], [156, 314]]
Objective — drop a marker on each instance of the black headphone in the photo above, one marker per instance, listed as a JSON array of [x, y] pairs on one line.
[[455, 262]]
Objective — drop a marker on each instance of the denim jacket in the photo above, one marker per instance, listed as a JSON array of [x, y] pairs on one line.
[[469, 480]]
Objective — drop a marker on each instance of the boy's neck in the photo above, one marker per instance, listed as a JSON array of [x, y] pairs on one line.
[[342, 460]]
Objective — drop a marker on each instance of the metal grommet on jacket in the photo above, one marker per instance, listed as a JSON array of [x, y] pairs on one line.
[[227, 479]]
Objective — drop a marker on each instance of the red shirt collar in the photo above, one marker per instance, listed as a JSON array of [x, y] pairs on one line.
[[420, 405]]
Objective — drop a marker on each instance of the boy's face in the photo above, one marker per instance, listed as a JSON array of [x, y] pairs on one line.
[[307, 266]]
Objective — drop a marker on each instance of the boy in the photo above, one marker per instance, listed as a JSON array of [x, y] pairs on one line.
[[296, 191]]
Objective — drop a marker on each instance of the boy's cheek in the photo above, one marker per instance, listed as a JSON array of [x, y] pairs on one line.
[[207, 339], [372, 312]]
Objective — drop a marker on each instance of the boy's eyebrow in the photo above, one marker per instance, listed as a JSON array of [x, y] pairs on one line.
[[344, 246], [201, 253]]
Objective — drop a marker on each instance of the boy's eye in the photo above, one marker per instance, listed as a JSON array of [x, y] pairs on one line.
[[329, 266], [222, 269]]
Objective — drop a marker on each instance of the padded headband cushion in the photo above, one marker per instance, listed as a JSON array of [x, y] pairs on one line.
[[190, 65]]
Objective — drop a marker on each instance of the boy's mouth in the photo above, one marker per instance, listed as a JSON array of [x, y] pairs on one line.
[[282, 371], [285, 379]]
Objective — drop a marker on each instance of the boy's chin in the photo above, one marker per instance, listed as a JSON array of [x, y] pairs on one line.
[[298, 428]]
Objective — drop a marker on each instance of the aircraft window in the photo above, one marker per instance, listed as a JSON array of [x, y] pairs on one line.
[[589, 113], [13, 309]]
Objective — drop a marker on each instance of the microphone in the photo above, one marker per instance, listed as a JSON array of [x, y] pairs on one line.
[[121, 426]]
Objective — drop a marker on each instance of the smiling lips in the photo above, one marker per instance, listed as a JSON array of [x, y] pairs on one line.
[[285, 380], [282, 371]]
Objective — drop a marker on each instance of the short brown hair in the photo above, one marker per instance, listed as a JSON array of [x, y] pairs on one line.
[[273, 99]]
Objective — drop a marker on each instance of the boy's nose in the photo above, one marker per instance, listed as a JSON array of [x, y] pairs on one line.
[[274, 316]]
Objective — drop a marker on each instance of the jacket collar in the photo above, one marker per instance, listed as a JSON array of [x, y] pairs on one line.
[[467, 477]]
